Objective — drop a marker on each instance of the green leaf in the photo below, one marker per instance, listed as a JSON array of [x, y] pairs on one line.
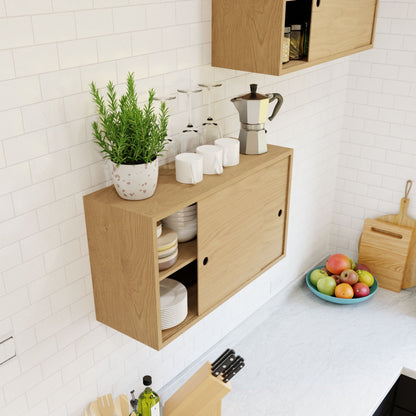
[[126, 133]]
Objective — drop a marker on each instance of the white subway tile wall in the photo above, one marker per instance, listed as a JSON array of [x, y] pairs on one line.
[[351, 123], [379, 143]]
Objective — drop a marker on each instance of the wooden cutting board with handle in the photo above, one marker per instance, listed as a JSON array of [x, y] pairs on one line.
[[409, 279], [387, 245]]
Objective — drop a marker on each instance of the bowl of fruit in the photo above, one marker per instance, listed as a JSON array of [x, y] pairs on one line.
[[342, 281]]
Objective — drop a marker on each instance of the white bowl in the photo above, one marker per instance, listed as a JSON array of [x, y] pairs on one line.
[[183, 215], [179, 223], [186, 234], [190, 208]]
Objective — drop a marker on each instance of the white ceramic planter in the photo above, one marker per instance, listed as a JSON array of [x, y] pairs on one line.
[[135, 182]]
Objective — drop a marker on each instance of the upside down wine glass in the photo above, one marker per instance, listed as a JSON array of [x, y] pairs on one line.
[[211, 130], [190, 138], [171, 148]]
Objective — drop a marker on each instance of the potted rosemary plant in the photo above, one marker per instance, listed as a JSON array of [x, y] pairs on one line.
[[131, 137]]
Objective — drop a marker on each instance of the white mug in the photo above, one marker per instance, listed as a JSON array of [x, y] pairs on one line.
[[231, 151], [189, 168], [212, 158]]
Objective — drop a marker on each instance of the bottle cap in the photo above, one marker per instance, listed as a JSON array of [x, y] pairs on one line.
[[147, 380], [296, 27], [287, 29]]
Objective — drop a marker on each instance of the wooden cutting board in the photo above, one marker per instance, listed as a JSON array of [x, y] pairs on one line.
[[409, 278], [384, 248]]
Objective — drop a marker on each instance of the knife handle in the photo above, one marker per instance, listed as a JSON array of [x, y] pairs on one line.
[[224, 365], [221, 357], [228, 377]]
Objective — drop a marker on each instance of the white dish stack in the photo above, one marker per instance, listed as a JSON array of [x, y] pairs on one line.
[[173, 303], [184, 222]]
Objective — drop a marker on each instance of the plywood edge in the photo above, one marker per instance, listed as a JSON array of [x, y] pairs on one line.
[[288, 187], [309, 63]]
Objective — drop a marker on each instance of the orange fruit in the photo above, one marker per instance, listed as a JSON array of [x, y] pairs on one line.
[[344, 290]]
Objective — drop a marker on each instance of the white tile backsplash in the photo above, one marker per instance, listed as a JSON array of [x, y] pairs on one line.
[[16, 32], [351, 123], [54, 27]]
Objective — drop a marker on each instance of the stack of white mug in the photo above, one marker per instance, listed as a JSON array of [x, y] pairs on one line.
[[208, 160]]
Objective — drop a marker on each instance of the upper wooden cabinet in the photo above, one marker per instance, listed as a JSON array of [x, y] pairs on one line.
[[247, 35], [241, 232]]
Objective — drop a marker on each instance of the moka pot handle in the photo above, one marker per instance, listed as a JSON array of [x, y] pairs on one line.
[[275, 96]]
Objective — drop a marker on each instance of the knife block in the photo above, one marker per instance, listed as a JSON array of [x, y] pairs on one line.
[[201, 395]]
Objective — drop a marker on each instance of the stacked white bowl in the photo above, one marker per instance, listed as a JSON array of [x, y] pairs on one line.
[[173, 303], [183, 222]]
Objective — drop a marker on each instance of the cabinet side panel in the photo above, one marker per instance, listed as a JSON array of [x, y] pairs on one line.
[[247, 35], [241, 230], [123, 271], [339, 26]]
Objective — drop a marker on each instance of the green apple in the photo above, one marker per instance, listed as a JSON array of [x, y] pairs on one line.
[[316, 275], [327, 286]]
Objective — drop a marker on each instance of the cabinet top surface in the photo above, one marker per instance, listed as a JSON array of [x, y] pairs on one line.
[[171, 196]]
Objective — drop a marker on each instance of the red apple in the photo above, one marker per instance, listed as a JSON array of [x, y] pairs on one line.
[[349, 276], [326, 271], [337, 263], [361, 290], [336, 278], [361, 266]]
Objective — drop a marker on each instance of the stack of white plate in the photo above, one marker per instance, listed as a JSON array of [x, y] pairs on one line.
[[173, 303], [184, 223]]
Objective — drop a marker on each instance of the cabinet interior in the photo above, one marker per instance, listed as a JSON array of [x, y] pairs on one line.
[[297, 12]]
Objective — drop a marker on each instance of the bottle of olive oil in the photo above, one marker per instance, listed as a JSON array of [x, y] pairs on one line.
[[149, 402]]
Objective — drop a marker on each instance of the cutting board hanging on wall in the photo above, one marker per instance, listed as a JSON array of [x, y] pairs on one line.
[[388, 246]]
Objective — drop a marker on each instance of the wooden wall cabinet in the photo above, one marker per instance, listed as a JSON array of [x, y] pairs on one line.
[[242, 221], [247, 34]]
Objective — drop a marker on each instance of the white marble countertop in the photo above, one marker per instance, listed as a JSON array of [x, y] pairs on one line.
[[305, 356], [312, 357]]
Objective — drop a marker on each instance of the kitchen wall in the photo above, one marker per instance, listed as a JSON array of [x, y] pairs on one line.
[[378, 151], [50, 51]]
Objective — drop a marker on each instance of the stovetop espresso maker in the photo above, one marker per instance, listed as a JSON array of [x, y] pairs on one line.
[[253, 109]]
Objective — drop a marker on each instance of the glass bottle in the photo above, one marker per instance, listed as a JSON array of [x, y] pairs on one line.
[[286, 45], [295, 42], [305, 40], [149, 402]]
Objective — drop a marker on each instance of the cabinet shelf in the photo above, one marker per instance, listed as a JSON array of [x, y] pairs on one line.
[[186, 254], [241, 231]]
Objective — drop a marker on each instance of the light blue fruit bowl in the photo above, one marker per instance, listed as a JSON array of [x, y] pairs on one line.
[[334, 299]]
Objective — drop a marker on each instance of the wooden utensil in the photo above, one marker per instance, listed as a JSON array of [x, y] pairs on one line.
[[384, 248], [106, 405], [122, 406], [409, 278], [94, 409]]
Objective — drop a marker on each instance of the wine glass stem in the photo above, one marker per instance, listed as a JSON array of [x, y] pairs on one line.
[[209, 103], [189, 105]]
